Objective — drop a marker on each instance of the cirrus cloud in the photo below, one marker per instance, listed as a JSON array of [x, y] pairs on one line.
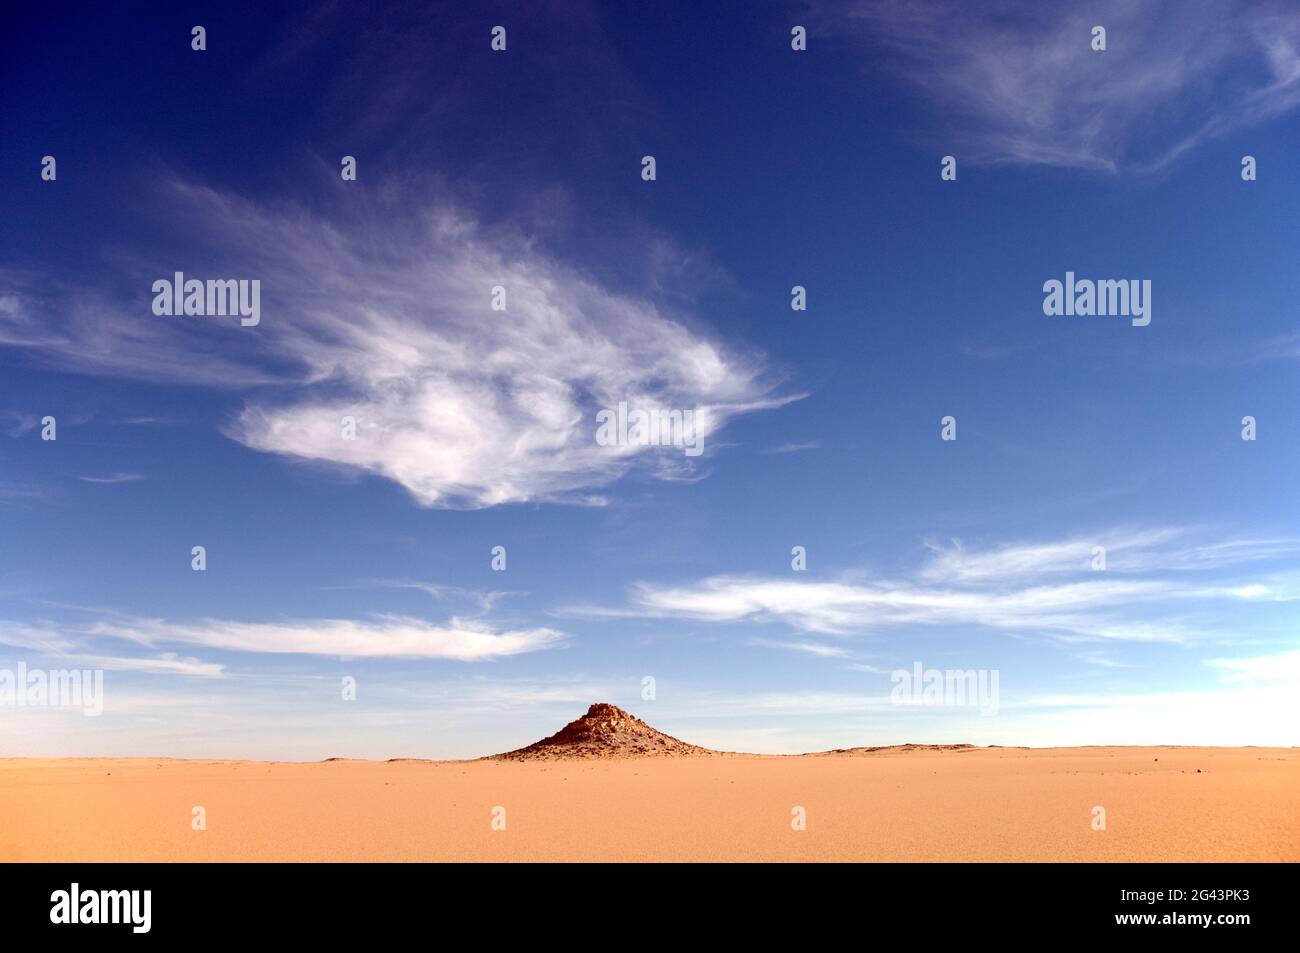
[[1019, 82], [387, 636], [1156, 590], [386, 319]]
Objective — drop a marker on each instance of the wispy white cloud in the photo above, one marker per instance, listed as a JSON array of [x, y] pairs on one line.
[[1082, 609], [15, 423], [387, 636], [1015, 588], [65, 647], [795, 447], [388, 321], [22, 491], [167, 663], [482, 599], [114, 478], [1282, 667], [34, 637], [150, 420], [820, 649], [1101, 660], [1018, 81], [384, 637], [1126, 550]]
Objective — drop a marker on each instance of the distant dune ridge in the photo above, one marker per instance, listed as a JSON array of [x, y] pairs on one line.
[[605, 731]]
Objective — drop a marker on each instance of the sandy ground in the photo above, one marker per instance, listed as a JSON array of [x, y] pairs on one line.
[[981, 804]]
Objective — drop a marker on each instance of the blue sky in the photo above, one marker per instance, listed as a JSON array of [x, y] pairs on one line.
[[476, 428]]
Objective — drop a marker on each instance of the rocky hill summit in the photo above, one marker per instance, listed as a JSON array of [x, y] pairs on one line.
[[605, 731]]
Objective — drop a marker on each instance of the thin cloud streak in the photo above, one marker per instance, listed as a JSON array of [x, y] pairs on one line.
[[388, 636], [385, 637], [1126, 550], [1014, 588], [112, 478]]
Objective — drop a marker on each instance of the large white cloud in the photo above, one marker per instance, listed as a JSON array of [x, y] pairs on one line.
[[387, 319]]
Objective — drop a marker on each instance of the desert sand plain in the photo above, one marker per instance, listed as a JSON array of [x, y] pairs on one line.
[[609, 788]]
